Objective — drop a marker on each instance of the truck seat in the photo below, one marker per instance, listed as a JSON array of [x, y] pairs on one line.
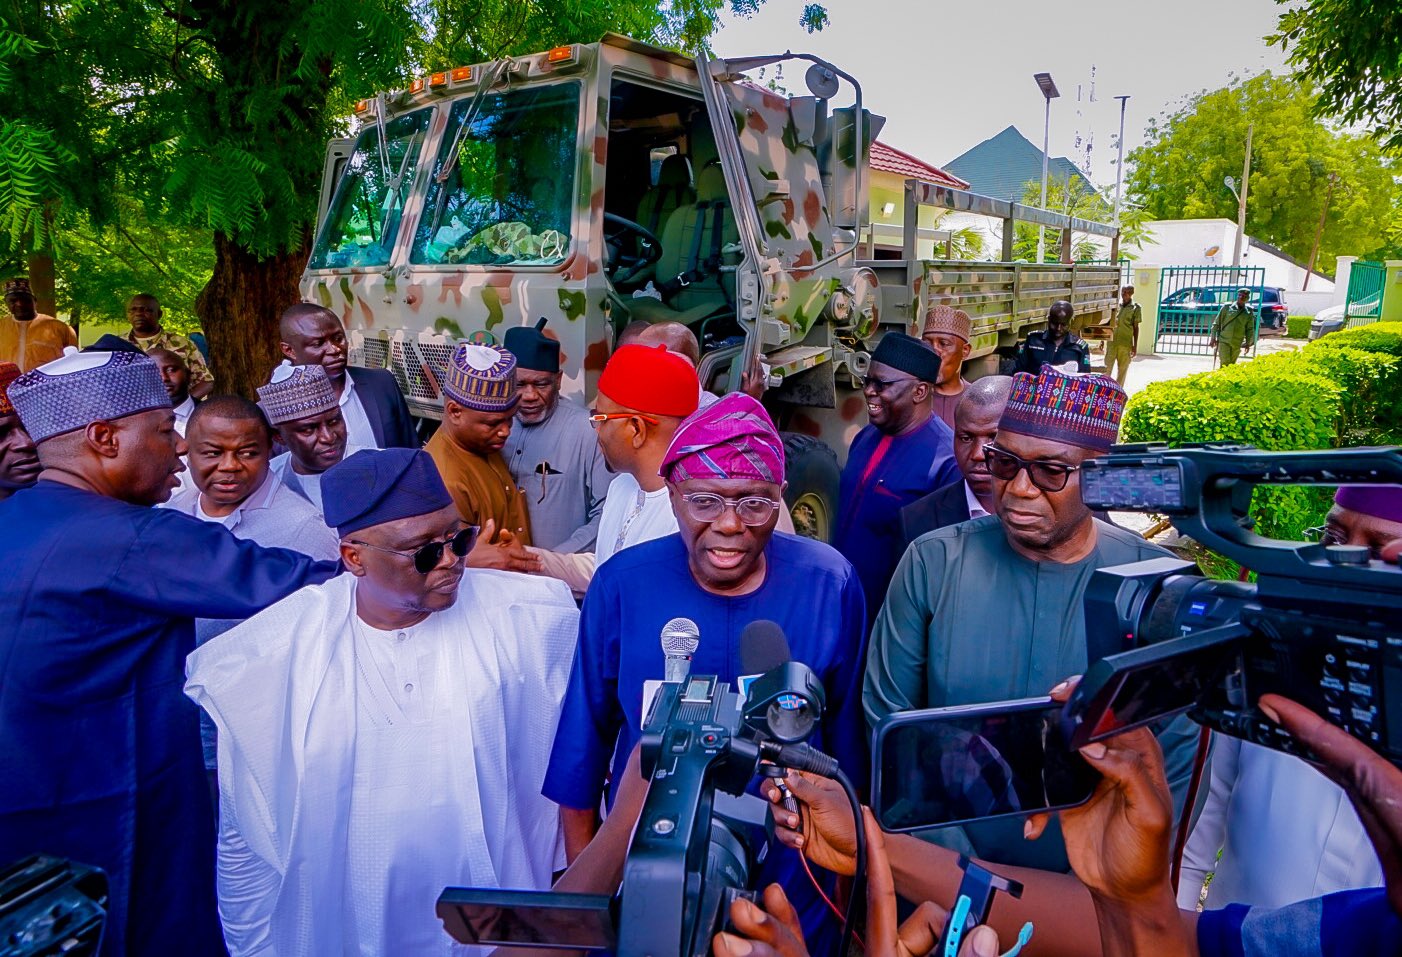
[[694, 247], [673, 189]]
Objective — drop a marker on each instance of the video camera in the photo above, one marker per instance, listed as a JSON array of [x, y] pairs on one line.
[[1322, 625], [699, 835]]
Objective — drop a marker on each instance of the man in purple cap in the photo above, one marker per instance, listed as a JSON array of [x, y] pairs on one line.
[[1265, 851], [992, 609], [99, 752], [385, 734], [725, 568]]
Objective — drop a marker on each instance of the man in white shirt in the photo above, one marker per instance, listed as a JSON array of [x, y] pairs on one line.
[[975, 425], [377, 417], [386, 735], [300, 403], [1287, 833], [231, 483], [644, 394]]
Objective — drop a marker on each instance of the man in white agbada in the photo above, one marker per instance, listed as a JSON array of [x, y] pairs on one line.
[[384, 735]]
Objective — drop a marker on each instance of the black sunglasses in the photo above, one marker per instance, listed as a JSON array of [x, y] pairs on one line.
[[427, 557], [1047, 476]]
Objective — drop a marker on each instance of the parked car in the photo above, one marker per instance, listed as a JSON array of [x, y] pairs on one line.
[[1333, 319], [1190, 310]]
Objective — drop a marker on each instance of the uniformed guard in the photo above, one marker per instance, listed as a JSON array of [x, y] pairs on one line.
[[1057, 345], [1124, 337], [1234, 329]]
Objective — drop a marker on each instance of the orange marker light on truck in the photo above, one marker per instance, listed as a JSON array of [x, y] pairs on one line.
[[362, 106], [417, 86], [462, 74], [560, 55], [437, 79]]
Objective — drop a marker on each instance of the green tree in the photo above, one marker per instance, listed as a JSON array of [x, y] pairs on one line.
[[215, 115], [1352, 51], [1178, 173], [1072, 197]]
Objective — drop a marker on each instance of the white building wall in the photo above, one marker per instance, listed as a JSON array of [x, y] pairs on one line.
[[1209, 242]]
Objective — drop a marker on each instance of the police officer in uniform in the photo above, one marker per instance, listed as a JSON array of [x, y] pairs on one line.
[[1234, 329], [1056, 345]]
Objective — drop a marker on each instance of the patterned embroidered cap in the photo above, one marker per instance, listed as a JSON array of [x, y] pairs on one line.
[[18, 285], [1083, 410], [732, 438], [296, 392], [481, 378], [81, 388], [9, 372], [947, 320]]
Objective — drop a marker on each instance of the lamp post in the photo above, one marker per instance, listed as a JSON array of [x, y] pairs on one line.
[[1049, 93], [1241, 202], [1120, 163]]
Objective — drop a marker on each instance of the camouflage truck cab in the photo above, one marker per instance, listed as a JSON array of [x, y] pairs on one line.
[[598, 184]]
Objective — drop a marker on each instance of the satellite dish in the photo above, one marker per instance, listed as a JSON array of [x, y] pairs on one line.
[[822, 82], [1212, 251]]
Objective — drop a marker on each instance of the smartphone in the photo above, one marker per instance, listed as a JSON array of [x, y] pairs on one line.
[[946, 766], [1161, 680], [543, 919]]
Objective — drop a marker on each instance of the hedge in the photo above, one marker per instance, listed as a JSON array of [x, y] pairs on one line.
[[1297, 327], [1343, 390]]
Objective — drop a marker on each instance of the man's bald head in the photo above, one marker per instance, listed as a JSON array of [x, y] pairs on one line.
[[675, 336], [976, 425], [312, 335]]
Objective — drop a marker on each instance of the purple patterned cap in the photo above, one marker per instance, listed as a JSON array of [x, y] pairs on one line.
[[296, 392], [1080, 409], [482, 378], [732, 438], [81, 388]]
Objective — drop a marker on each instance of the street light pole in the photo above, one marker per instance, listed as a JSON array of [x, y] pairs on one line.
[[1241, 201], [1120, 163], [1049, 92]]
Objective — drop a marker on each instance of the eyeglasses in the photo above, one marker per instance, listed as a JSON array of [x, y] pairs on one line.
[[1047, 476], [709, 507], [881, 385], [595, 418], [427, 557]]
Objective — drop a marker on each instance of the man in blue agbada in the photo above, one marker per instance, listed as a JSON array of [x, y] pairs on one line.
[[905, 453], [99, 749], [725, 568]]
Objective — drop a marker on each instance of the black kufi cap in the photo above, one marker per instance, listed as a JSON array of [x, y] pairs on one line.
[[372, 487], [110, 343], [532, 348], [908, 354]]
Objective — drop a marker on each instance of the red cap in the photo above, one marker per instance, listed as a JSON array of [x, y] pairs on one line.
[[651, 379]]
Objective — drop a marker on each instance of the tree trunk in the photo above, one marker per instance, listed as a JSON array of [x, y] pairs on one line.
[[239, 309], [41, 281]]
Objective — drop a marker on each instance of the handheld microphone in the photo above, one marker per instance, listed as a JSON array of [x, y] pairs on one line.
[[680, 638]]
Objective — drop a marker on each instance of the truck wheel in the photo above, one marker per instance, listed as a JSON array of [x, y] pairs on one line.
[[813, 476]]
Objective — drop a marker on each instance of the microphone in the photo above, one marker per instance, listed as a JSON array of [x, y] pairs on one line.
[[763, 647], [680, 637]]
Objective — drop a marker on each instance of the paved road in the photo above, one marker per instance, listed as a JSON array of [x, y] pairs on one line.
[[1160, 368]]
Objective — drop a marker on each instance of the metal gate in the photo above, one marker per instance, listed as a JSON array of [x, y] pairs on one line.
[[1365, 293], [1190, 298]]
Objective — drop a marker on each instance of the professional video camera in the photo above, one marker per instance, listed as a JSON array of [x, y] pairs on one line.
[[1322, 624], [699, 834]]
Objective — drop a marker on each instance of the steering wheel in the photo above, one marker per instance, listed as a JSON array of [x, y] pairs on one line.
[[623, 266]]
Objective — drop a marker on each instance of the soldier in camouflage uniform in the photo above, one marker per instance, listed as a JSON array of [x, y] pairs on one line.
[[1234, 329], [144, 314]]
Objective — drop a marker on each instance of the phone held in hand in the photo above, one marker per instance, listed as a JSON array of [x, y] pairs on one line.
[[945, 766]]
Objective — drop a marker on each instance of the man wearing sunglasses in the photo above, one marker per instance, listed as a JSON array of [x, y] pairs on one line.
[[385, 735], [725, 568], [905, 453], [992, 609]]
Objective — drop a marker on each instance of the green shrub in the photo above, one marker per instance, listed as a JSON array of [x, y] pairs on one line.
[[1374, 337], [1297, 327]]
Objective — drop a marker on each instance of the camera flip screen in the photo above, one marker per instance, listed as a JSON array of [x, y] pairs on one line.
[[1107, 486]]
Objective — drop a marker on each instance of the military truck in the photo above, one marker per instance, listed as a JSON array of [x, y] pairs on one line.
[[599, 184]]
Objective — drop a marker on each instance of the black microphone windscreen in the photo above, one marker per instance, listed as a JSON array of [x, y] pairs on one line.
[[762, 647]]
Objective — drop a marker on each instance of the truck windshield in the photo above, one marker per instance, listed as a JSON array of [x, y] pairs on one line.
[[363, 220], [502, 192]]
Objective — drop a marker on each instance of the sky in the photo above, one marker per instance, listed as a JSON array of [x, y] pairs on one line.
[[949, 75]]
